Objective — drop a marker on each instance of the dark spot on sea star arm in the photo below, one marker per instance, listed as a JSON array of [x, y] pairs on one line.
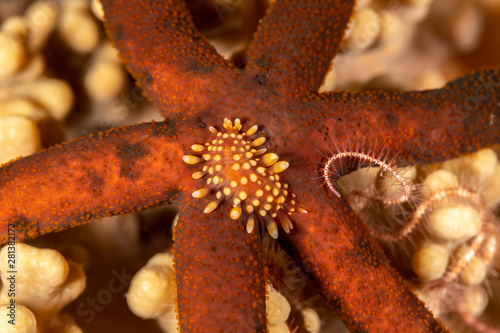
[[168, 127], [296, 42], [96, 182], [369, 251], [64, 186], [131, 155], [22, 223], [119, 32]]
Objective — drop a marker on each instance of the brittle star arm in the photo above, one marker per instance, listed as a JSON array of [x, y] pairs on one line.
[[118, 172], [426, 126], [296, 42], [165, 53]]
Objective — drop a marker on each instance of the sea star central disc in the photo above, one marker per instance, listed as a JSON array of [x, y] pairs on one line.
[[242, 174]]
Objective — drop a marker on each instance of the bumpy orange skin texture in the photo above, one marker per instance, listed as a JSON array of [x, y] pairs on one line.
[[176, 80], [427, 126], [356, 254], [118, 172], [356, 279], [285, 65], [219, 272], [219, 266], [309, 35]]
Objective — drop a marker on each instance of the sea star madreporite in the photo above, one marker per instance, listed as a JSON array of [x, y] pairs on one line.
[[217, 262]]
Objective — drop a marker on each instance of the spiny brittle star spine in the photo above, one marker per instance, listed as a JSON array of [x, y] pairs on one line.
[[240, 172], [425, 206], [407, 188]]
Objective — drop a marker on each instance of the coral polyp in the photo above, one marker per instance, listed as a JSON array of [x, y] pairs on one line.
[[238, 170]]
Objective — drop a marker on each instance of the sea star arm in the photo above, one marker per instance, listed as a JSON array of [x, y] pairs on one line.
[[117, 172], [351, 271], [333, 246], [219, 271], [169, 58], [296, 42], [426, 126], [331, 241]]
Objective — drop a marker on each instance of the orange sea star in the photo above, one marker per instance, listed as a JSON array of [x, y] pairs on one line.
[[219, 266]]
